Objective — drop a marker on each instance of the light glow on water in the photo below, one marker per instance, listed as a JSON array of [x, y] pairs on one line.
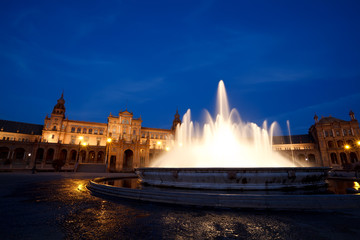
[[223, 142]]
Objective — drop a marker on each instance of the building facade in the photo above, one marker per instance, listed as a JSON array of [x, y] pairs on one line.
[[123, 143]]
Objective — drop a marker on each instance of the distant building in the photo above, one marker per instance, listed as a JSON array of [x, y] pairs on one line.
[[331, 142], [121, 143], [124, 144]]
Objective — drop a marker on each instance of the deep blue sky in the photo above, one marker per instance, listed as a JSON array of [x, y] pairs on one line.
[[280, 60]]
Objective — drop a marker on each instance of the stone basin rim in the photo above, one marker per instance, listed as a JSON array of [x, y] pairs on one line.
[[225, 169]]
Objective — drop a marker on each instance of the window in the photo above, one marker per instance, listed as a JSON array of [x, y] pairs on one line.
[[72, 129], [101, 131], [54, 128], [331, 133], [78, 130], [95, 131], [349, 131], [52, 136], [90, 131], [326, 133], [337, 133], [344, 132], [84, 130]]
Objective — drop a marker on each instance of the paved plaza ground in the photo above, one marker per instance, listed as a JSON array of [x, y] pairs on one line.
[[58, 206]]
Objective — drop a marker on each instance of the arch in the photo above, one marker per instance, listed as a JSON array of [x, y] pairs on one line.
[[100, 157], [333, 158], [73, 155], [343, 158], [128, 159], [311, 158], [92, 157], [63, 155], [49, 156], [112, 163], [330, 144], [39, 155], [350, 142], [19, 153], [82, 156], [78, 130], [4, 153], [84, 130], [353, 157]]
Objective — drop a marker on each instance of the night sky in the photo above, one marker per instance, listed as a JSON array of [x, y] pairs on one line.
[[280, 60]]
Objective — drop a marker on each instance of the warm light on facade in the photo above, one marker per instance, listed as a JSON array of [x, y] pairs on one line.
[[356, 185], [81, 138], [167, 149], [158, 143], [347, 146]]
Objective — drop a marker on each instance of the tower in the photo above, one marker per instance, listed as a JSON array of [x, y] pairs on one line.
[[176, 120], [352, 115], [316, 118], [54, 124]]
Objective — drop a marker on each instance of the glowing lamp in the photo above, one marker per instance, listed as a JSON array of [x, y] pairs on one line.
[[109, 140], [167, 149], [81, 138], [84, 144], [158, 143], [358, 143], [347, 146]]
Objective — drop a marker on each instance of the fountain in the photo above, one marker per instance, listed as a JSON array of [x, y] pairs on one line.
[[227, 154], [221, 165]]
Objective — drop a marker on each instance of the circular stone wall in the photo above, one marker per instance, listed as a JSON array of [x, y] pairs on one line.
[[234, 178]]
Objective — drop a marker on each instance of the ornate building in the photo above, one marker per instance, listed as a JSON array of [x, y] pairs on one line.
[[120, 144], [331, 142], [123, 143]]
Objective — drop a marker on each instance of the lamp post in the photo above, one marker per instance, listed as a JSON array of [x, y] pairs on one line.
[[108, 149], [78, 155]]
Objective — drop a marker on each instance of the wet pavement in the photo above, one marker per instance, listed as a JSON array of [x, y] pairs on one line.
[[58, 206]]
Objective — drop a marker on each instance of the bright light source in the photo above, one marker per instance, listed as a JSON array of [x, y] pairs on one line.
[[167, 149], [81, 138], [84, 144], [347, 146], [358, 142], [109, 140], [158, 143]]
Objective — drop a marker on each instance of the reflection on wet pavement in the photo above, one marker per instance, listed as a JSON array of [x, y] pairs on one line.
[[64, 209]]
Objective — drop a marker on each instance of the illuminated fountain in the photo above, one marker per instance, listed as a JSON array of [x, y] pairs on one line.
[[227, 154], [217, 164]]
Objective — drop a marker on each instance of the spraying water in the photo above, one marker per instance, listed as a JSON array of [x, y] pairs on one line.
[[225, 141]]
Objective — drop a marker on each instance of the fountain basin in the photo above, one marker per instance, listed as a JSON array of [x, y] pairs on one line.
[[235, 178]]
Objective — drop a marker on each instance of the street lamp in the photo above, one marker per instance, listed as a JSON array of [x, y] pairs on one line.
[[78, 155], [108, 148], [347, 147]]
